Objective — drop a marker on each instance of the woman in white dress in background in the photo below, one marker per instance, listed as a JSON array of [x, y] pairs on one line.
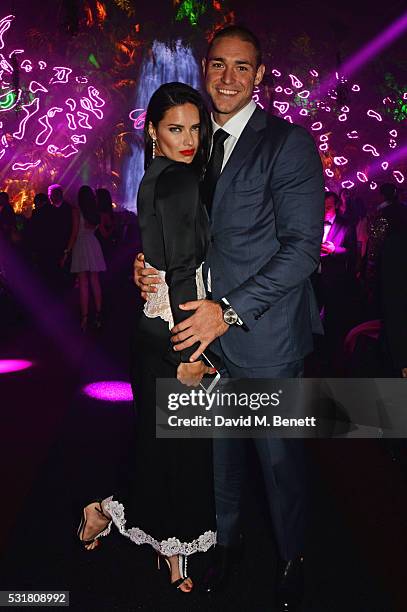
[[87, 256]]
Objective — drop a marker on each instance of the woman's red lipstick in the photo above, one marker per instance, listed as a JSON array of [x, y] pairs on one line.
[[187, 152]]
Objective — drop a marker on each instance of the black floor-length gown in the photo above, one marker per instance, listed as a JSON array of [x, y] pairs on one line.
[[170, 504]]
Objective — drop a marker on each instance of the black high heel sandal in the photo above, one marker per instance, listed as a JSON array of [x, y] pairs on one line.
[[82, 525], [182, 565]]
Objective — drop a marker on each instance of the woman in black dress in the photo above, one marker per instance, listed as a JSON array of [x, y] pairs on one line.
[[170, 505]]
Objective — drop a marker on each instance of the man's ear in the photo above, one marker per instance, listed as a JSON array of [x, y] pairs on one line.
[[151, 131], [203, 64], [259, 74]]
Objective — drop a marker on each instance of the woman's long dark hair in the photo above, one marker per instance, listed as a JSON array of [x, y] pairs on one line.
[[177, 94], [104, 200], [88, 205]]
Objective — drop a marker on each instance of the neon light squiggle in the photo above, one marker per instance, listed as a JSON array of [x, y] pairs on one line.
[[373, 185], [27, 166], [9, 100], [362, 177], [371, 149], [69, 150], [304, 94], [352, 134], [30, 110], [5, 24], [78, 138], [340, 161], [316, 126], [26, 65], [87, 105], [372, 113], [71, 121], [35, 86], [95, 97], [385, 165], [61, 76], [295, 81], [282, 107], [399, 176], [329, 173], [138, 119], [84, 122], [393, 133], [71, 103], [348, 184], [44, 135]]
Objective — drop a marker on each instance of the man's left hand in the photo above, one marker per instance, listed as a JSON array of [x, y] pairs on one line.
[[203, 326]]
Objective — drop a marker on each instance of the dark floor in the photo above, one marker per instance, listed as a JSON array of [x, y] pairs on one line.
[[57, 446]]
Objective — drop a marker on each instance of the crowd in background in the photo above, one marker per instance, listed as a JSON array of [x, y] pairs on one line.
[[360, 284]]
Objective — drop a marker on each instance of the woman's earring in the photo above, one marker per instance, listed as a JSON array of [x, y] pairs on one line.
[[154, 145]]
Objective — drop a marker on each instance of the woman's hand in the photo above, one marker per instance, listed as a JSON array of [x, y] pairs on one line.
[[145, 278], [191, 374]]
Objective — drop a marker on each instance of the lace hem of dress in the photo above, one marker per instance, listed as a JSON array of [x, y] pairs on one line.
[[158, 304], [168, 548]]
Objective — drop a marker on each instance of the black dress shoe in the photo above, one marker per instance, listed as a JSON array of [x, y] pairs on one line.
[[224, 560], [290, 585]]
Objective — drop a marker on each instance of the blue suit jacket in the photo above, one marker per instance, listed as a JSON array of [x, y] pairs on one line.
[[267, 222]]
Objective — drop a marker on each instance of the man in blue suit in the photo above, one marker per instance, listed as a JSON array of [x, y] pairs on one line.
[[264, 191]]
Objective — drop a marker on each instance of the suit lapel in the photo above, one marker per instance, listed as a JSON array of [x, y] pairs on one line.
[[250, 137]]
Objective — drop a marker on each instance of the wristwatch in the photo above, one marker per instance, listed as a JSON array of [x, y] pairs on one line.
[[230, 315]]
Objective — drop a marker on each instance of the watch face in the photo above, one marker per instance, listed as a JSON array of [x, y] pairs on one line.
[[230, 317]]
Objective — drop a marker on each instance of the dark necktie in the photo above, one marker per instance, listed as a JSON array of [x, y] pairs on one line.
[[213, 168]]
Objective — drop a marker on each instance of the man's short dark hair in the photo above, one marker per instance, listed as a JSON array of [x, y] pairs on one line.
[[242, 33]]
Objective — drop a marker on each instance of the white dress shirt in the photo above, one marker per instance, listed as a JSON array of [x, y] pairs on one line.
[[328, 227], [234, 127]]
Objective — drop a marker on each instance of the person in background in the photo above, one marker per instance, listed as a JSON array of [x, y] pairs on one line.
[[87, 256], [36, 236], [106, 229], [390, 216], [59, 221], [350, 207], [9, 234], [393, 293], [8, 224], [334, 279]]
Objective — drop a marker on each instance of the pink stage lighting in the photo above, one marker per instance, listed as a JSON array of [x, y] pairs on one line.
[[14, 365], [110, 391]]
